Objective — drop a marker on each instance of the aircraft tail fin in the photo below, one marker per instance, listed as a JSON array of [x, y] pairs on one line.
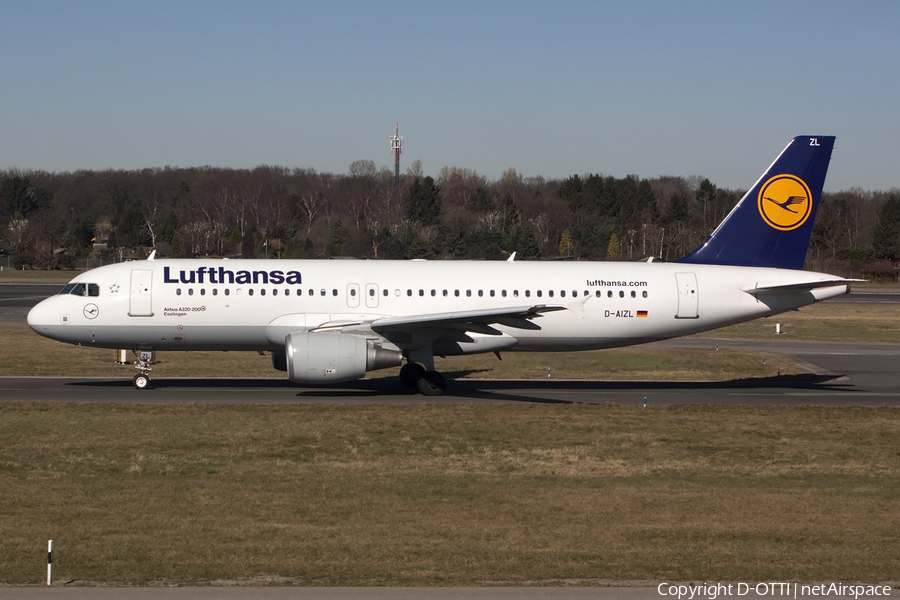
[[772, 224]]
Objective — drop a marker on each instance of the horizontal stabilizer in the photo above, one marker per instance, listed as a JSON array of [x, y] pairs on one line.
[[807, 286]]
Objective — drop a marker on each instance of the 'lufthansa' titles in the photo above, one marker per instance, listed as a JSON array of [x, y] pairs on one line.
[[223, 275]]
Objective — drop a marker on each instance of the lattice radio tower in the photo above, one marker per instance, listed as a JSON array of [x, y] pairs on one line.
[[397, 150]]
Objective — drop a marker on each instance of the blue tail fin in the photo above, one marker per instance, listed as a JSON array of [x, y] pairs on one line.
[[772, 224]]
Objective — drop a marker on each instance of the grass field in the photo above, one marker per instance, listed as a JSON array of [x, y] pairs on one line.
[[826, 321], [439, 495]]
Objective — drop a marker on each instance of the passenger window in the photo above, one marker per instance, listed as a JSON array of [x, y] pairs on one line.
[[202, 291], [371, 292], [409, 292], [227, 291], [621, 293], [250, 291], [215, 291], [609, 294], [562, 293], [385, 293], [515, 293], [178, 292], [421, 292], [549, 293], [334, 292], [575, 293], [468, 292], [311, 293], [445, 293], [433, 293], [456, 293], [322, 292], [353, 292], [190, 291], [633, 294], [644, 294], [503, 293], [93, 289], [598, 293], [480, 293], [540, 293], [492, 293], [528, 293]]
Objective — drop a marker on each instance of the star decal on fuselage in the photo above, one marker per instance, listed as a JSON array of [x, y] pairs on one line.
[[114, 288]]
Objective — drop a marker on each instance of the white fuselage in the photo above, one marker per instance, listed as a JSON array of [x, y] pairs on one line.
[[253, 304]]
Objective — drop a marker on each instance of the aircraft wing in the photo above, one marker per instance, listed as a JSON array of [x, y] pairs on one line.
[[789, 288], [480, 320], [486, 316]]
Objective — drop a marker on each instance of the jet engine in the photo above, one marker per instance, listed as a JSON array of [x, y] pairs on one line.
[[316, 357]]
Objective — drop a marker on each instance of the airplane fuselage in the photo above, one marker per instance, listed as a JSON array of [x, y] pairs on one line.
[[254, 304]]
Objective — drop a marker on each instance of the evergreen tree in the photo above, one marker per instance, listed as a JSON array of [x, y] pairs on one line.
[[679, 210], [247, 245], [565, 244], [424, 201], [527, 246], [886, 240], [612, 250]]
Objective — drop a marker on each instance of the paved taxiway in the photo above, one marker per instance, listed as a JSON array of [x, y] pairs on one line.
[[840, 374]]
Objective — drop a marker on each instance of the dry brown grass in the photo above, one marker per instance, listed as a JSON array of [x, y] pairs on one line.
[[449, 495], [827, 321]]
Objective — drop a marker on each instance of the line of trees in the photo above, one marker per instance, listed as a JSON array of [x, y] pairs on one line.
[[49, 220]]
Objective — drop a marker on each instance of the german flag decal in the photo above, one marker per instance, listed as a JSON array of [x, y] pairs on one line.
[[642, 313]]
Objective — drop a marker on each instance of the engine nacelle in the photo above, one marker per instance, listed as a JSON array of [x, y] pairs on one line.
[[316, 357]]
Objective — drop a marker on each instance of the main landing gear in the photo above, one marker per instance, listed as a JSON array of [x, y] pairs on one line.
[[141, 381], [429, 383]]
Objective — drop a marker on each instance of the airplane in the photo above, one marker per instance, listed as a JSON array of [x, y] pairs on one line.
[[327, 321]]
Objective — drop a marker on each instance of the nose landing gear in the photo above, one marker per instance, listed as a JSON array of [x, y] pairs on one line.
[[141, 381]]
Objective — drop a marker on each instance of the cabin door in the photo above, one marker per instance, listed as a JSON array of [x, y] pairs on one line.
[[141, 293], [688, 298]]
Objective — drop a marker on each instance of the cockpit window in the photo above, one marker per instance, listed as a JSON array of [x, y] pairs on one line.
[[81, 289]]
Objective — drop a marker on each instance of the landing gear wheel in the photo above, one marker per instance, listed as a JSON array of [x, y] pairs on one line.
[[141, 381], [410, 374], [431, 384]]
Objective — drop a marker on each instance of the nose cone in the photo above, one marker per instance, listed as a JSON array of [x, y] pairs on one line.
[[41, 317]]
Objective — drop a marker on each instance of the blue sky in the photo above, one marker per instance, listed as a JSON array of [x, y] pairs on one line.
[[549, 88]]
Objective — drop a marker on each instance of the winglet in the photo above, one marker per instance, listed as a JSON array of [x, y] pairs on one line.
[[772, 224]]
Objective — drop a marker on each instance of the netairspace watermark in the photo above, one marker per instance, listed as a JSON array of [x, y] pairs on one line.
[[779, 589]]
